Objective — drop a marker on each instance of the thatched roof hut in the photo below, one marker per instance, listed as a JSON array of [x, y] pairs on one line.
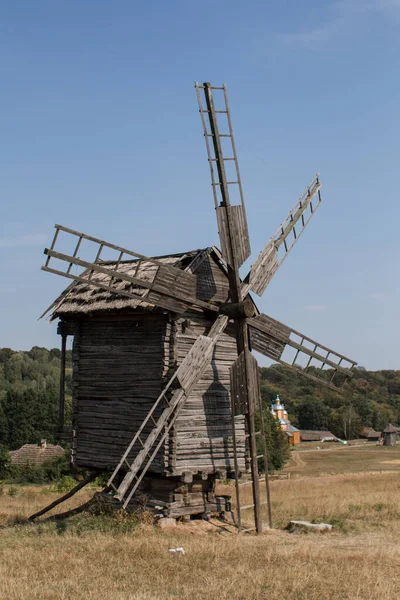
[[36, 454], [373, 436]]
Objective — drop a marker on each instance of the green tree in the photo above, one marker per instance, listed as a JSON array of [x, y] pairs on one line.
[[312, 415], [5, 461], [351, 423], [278, 450]]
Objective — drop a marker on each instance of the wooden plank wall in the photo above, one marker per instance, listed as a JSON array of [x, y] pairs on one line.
[[119, 364], [202, 439], [212, 283]]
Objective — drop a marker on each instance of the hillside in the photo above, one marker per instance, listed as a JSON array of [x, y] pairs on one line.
[[371, 399]]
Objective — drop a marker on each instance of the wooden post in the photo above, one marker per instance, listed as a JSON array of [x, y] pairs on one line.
[[69, 494], [62, 381], [252, 440]]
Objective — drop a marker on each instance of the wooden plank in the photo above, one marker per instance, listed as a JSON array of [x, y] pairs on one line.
[[244, 375], [268, 336], [266, 344], [197, 358], [271, 326], [238, 386], [239, 233], [264, 268]]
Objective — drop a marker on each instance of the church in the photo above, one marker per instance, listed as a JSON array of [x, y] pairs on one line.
[[279, 412]]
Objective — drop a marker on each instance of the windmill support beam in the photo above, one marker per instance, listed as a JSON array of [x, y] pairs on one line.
[[64, 332], [61, 414], [252, 441]]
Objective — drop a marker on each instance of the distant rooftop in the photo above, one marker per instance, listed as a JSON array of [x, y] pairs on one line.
[[35, 454]]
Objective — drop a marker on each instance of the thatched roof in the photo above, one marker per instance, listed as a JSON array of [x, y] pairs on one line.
[[373, 435], [390, 429], [84, 298], [35, 454], [307, 435]]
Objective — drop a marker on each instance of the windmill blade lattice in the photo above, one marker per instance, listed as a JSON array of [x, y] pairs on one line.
[[282, 242], [232, 221], [272, 338], [167, 286]]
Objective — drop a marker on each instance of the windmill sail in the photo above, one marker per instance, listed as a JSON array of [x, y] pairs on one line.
[[308, 357], [167, 286], [281, 243], [232, 221]]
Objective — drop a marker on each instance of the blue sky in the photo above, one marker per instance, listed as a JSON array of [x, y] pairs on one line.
[[100, 132]]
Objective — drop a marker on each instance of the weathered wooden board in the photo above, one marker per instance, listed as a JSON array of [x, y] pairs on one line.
[[114, 386], [264, 268], [245, 379], [268, 336], [239, 233], [205, 418], [194, 362]]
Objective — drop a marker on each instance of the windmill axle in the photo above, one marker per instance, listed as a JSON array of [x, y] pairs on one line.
[[239, 310]]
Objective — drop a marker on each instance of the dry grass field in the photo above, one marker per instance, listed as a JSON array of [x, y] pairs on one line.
[[89, 557]]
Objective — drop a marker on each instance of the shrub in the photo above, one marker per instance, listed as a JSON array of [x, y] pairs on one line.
[[48, 472], [65, 484]]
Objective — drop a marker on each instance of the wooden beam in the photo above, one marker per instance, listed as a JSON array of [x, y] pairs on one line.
[[71, 493], [61, 413]]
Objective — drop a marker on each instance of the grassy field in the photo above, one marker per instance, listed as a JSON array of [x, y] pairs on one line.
[[88, 557]]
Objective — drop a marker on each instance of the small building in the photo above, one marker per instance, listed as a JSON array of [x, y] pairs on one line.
[[365, 431], [294, 435], [373, 436], [279, 412], [389, 435], [35, 454], [307, 435]]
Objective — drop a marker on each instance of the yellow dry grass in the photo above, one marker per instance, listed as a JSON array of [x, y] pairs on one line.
[[99, 557]]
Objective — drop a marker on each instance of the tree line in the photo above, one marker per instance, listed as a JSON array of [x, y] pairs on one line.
[[369, 399], [29, 395]]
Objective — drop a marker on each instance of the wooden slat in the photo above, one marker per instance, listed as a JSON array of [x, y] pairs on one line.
[[264, 268], [240, 233], [197, 358], [174, 281], [239, 383], [272, 326], [238, 386]]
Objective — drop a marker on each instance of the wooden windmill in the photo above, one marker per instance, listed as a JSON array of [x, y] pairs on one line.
[[165, 385]]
